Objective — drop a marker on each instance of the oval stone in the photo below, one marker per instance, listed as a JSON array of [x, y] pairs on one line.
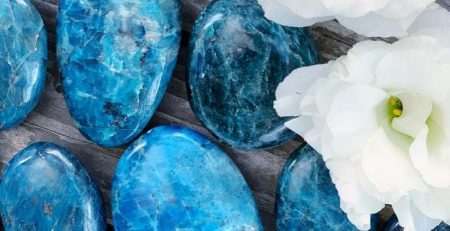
[[23, 60], [173, 178], [116, 59], [307, 199], [237, 58], [44, 187], [393, 225]]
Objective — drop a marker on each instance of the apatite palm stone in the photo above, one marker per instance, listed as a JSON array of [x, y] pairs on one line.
[[23, 60], [393, 225], [173, 178], [45, 188], [237, 59], [116, 59], [307, 199]]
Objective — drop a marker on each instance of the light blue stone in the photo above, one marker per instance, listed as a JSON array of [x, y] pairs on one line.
[[393, 225], [116, 59], [45, 188], [173, 178], [307, 199], [237, 58], [23, 60]]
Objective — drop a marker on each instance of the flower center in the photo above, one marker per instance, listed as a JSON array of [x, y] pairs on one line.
[[395, 106]]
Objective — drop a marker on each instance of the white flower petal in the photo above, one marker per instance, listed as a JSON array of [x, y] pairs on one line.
[[362, 221], [290, 92], [362, 60], [351, 129], [307, 8], [325, 95], [358, 97], [433, 16], [434, 204], [283, 15], [375, 25], [326, 148], [301, 79], [418, 151], [354, 8], [288, 106], [314, 136], [403, 8], [411, 218], [416, 110], [434, 166], [388, 167], [417, 65], [346, 174], [300, 125], [441, 34], [353, 118], [308, 104]]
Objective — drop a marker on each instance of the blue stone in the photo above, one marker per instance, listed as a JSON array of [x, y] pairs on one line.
[[44, 187], [393, 225], [237, 58], [116, 59], [307, 199], [173, 178], [23, 60]]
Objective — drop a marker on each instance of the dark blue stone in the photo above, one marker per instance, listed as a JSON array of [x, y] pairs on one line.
[[393, 225], [116, 59], [23, 60], [173, 178], [45, 188], [307, 199], [237, 59]]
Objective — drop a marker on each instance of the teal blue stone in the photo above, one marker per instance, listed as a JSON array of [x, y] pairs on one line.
[[173, 178], [307, 199], [393, 225], [116, 59], [23, 60], [237, 58], [44, 187]]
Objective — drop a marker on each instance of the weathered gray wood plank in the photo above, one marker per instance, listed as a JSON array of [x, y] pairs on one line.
[[51, 121]]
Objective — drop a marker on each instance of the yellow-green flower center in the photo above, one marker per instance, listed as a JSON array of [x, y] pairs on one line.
[[395, 106]]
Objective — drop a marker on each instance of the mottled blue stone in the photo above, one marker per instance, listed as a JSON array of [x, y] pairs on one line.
[[45, 188], [393, 225], [23, 60], [237, 58], [173, 178], [307, 199], [116, 59]]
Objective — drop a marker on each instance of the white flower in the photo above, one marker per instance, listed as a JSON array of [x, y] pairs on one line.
[[380, 117], [380, 18]]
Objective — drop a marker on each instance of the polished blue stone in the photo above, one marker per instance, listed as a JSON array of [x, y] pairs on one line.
[[23, 60], [173, 178], [393, 225], [307, 199], [237, 58], [45, 188], [116, 59]]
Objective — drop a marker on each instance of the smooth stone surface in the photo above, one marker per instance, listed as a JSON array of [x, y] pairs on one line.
[[45, 188], [237, 58], [173, 178], [393, 225], [23, 60], [306, 198], [116, 59]]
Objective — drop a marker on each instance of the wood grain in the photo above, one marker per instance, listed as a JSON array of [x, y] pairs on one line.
[[51, 121]]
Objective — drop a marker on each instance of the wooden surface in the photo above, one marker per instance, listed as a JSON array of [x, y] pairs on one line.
[[50, 121]]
